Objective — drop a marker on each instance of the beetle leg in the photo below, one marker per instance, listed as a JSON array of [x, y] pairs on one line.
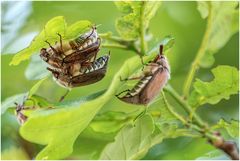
[[90, 34], [54, 50], [95, 55], [128, 90], [132, 78], [85, 39], [55, 73], [62, 98], [60, 37], [140, 115]]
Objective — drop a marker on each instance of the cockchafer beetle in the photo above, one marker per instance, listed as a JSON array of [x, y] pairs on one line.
[[80, 50], [153, 79], [86, 75]]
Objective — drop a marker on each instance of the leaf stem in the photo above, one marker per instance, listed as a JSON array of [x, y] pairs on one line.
[[185, 105], [171, 110], [200, 54], [184, 121], [121, 43], [114, 46], [142, 30]]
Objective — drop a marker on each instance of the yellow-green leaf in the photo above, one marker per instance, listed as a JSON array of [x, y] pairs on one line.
[[43, 127], [135, 13], [50, 33], [222, 24], [232, 127], [225, 83]]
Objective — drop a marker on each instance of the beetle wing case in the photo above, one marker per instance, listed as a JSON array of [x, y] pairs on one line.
[[156, 75], [93, 73]]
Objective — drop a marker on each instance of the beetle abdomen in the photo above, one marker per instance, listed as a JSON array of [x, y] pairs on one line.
[[153, 88]]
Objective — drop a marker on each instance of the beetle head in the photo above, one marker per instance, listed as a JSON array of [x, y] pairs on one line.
[[44, 54], [160, 56], [161, 59]]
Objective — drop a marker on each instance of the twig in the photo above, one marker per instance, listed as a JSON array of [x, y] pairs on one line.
[[215, 139], [114, 46], [185, 105], [230, 148], [118, 42]]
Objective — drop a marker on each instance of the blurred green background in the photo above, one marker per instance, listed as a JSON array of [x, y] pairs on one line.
[[21, 21]]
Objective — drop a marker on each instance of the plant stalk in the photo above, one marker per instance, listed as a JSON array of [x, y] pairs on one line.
[[200, 54], [185, 105], [142, 30]]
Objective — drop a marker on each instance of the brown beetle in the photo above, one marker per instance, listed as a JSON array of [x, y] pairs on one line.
[[155, 76], [86, 75], [80, 50]]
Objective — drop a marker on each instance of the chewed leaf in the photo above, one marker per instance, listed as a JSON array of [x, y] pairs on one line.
[[224, 84], [232, 127], [128, 26], [50, 33], [43, 127], [222, 24]]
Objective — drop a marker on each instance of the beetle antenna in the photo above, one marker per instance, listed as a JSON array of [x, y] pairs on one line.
[[161, 50]]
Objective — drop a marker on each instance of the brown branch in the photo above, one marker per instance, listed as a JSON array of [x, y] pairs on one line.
[[229, 147]]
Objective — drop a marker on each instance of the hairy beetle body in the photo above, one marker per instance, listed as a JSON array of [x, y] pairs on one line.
[[156, 75], [82, 76], [80, 50]]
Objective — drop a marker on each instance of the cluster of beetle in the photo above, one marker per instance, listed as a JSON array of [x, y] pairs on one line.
[[74, 63]]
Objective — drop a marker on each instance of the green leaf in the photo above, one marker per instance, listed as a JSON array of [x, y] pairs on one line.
[[207, 60], [36, 69], [110, 122], [135, 13], [130, 140], [35, 87], [231, 127], [167, 125], [133, 142], [213, 155], [43, 127], [49, 33], [77, 29], [203, 8], [222, 24], [224, 84], [19, 98], [9, 102]]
